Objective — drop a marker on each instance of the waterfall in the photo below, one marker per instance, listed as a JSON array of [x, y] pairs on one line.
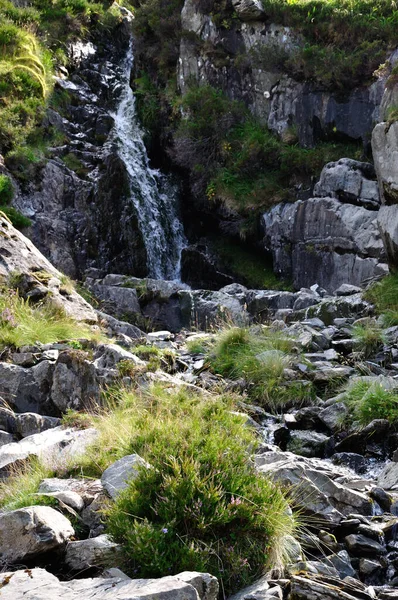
[[154, 195]]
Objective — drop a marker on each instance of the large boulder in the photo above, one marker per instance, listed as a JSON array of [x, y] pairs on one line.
[[28, 532], [56, 446], [117, 476], [38, 584], [349, 181], [20, 256], [324, 241]]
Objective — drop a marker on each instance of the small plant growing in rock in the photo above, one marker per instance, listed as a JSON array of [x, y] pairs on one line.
[[369, 400], [368, 338]]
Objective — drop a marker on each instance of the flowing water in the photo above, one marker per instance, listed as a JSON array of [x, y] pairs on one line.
[[154, 195]]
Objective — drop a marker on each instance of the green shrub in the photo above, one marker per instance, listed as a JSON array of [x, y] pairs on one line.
[[369, 400], [260, 359], [17, 219], [202, 506], [6, 190]]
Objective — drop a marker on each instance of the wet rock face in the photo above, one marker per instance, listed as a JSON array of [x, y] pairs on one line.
[[279, 101], [85, 216], [333, 238]]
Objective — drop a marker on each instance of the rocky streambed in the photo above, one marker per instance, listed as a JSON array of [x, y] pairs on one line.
[[342, 477]]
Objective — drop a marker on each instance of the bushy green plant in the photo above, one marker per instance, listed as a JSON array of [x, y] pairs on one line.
[[369, 400], [6, 190], [260, 359], [201, 505]]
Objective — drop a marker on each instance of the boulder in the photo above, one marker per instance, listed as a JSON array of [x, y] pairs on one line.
[[307, 443], [315, 588], [28, 532], [385, 153], [30, 423], [324, 241], [203, 308], [19, 255], [388, 478], [93, 552], [116, 477], [361, 545], [320, 489], [249, 10], [56, 446], [38, 584], [349, 181]]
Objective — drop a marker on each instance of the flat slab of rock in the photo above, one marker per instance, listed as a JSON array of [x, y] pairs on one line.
[[56, 445], [93, 552], [28, 532], [38, 584], [116, 477], [321, 490]]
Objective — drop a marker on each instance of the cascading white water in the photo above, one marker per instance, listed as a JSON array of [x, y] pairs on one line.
[[153, 194]]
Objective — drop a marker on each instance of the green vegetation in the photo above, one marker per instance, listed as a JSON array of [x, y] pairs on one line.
[[6, 190], [368, 338], [253, 270], [236, 159], [260, 358], [19, 488], [201, 506], [24, 324], [32, 39], [369, 400], [384, 295]]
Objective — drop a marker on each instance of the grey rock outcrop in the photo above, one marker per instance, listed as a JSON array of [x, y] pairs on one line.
[[20, 257], [349, 181], [38, 584], [116, 477], [319, 490], [95, 552], [28, 532], [324, 241]]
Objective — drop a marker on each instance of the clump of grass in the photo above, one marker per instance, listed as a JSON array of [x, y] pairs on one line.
[[19, 488], [201, 506], [369, 400], [24, 324], [368, 338], [260, 360], [384, 295]]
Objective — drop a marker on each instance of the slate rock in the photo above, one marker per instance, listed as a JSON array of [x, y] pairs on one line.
[[116, 477]]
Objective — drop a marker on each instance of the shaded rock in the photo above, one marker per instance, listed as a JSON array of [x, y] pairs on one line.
[[347, 290], [107, 356], [375, 432], [30, 423], [6, 438], [361, 545], [318, 487], [96, 552], [367, 566], [19, 255], [116, 477], [257, 591], [388, 478], [315, 588], [333, 416], [204, 308], [28, 532], [342, 562], [249, 10], [307, 443], [356, 462]]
